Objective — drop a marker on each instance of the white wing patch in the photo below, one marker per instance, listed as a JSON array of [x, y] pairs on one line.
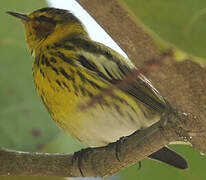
[[108, 67]]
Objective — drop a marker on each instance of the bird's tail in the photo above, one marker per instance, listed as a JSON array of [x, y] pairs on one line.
[[170, 157]]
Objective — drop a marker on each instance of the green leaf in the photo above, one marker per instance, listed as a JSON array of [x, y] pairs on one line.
[[181, 23], [24, 122], [63, 143], [158, 170]]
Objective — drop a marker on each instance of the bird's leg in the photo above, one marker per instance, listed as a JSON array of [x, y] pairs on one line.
[[78, 156], [118, 147]]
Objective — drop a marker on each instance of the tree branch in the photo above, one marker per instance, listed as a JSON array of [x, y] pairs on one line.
[[95, 162]]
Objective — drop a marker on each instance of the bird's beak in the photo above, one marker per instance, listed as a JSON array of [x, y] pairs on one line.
[[23, 17]]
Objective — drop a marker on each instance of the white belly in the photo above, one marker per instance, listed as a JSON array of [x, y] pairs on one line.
[[107, 125]]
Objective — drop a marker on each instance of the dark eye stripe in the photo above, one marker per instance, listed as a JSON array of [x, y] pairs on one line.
[[43, 18]]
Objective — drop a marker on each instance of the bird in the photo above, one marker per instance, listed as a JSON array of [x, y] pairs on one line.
[[70, 69]]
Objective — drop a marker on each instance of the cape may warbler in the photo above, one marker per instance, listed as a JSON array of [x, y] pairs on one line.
[[70, 68]]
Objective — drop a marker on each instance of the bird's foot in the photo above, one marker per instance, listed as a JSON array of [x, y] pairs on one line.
[[78, 156], [118, 147], [118, 150]]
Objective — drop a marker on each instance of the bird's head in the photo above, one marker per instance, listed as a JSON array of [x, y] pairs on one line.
[[49, 25]]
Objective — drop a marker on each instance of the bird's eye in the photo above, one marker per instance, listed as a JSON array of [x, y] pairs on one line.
[[43, 26]]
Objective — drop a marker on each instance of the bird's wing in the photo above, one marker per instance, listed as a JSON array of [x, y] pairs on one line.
[[113, 67]]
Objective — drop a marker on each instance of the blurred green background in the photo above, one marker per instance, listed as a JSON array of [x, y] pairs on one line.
[[26, 125], [180, 22]]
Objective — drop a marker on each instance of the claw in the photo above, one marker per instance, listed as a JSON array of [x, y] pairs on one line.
[[118, 145], [78, 156]]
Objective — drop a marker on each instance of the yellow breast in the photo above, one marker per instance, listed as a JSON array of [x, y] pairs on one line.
[[116, 116], [63, 92]]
